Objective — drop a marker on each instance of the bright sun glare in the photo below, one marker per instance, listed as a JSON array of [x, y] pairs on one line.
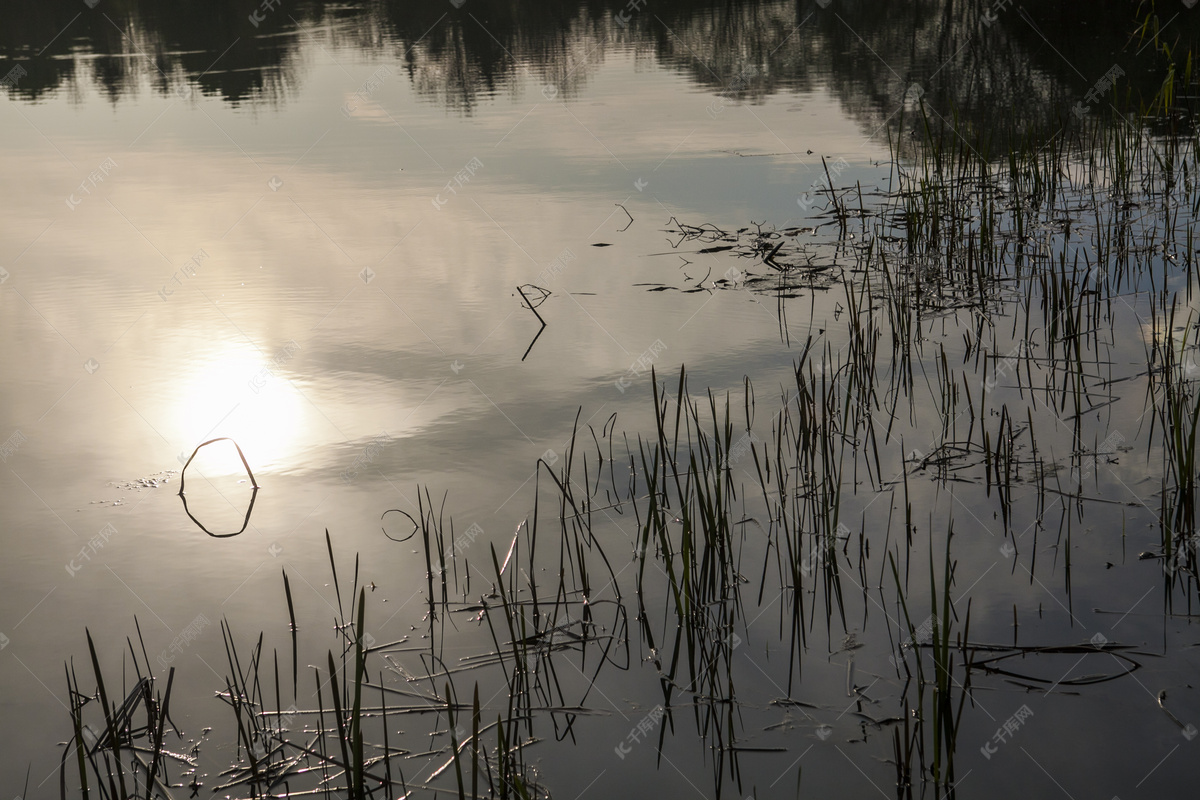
[[240, 396]]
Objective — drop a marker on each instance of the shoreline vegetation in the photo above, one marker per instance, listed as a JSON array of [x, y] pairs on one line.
[[980, 297]]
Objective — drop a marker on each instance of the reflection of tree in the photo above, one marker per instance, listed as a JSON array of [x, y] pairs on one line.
[[983, 62], [119, 46], [1026, 69], [486, 47]]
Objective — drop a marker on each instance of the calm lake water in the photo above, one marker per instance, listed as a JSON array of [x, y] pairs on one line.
[[303, 226]]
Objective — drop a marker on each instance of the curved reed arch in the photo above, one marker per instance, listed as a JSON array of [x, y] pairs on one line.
[[241, 455]]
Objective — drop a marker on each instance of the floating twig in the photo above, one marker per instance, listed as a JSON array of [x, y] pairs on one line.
[[533, 307], [183, 472], [626, 210], [201, 526], [410, 519]]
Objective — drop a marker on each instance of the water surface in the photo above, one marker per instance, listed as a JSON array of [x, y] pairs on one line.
[[306, 232]]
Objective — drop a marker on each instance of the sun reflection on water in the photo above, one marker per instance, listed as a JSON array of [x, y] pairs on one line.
[[244, 396]]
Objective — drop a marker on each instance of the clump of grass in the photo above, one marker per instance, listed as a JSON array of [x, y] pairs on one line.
[[119, 757], [940, 698]]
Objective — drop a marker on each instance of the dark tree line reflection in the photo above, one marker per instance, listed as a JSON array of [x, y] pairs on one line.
[[984, 59]]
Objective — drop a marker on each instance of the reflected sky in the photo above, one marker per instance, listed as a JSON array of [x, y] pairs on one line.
[[240, 248]]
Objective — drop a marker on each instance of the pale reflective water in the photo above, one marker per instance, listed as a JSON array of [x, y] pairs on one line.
[[308, 237]]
